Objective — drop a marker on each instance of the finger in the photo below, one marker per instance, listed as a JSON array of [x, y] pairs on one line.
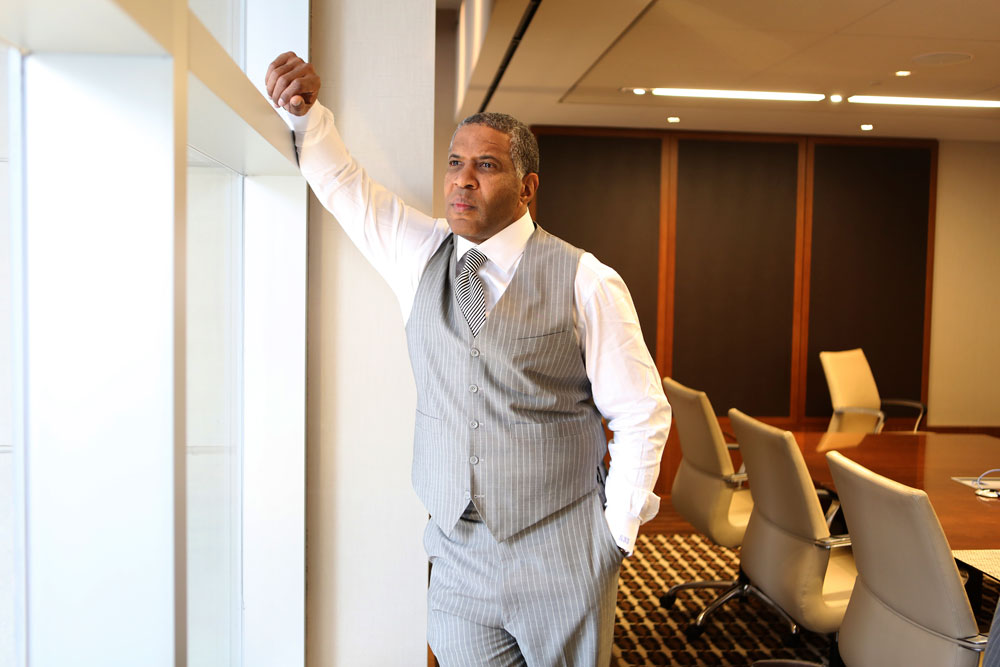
[[300, 94], [285, 79], [303, 82], [278, 62], [278, 79]]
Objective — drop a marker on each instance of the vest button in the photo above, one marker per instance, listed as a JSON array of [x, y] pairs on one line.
[[474, 352], [473, 388], [473, 424], [473, 460]]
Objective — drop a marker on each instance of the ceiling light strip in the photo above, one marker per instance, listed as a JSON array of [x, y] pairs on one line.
[[738, 94], [923, 101]]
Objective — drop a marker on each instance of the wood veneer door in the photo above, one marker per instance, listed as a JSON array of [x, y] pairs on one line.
[[868, 264], [734, 279], [602, 194]]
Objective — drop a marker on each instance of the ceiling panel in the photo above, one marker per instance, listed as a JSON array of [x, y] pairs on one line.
[[863, 64], [954, 19], [849, 47]]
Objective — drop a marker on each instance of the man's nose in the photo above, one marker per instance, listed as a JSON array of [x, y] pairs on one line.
[[465, 177]]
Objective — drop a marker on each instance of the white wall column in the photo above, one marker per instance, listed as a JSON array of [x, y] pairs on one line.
[[98, 349], [367, 571]]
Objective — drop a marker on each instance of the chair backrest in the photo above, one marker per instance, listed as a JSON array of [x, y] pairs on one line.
[[779, 552], [702, 444], [852, 385], [905, 571], [992, 657], [700, 493], [782, 489]]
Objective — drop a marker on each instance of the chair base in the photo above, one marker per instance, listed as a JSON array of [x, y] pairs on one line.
[[740, 588]]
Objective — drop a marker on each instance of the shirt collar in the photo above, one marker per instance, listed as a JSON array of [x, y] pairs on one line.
[[504, 247]]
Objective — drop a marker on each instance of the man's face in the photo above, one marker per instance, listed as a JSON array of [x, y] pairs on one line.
[[482, 191]]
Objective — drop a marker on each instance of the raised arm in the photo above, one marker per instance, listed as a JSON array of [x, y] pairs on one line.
[[396, 238]]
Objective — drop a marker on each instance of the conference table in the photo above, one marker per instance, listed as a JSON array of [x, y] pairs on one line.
[[926, 461]]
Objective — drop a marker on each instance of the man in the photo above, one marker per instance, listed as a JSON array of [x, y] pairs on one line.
[[519, 344]]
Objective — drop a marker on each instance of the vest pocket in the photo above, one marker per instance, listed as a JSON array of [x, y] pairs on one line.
[[425, 422]]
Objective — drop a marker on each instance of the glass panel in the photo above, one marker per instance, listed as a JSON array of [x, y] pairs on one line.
[[214, 298], [225, 20], [6, 382]]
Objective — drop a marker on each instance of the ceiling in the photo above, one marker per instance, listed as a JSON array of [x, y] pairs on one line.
[[577, 55]]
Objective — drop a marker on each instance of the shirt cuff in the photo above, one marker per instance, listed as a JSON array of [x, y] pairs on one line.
[[308, 122], [624, 529]]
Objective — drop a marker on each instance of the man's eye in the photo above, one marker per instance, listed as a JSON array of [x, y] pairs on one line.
[[453, 163], [487, 165]]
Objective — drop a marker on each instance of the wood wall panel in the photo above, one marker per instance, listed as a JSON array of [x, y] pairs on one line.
[[602, 194], [869, 264], [735, 275]]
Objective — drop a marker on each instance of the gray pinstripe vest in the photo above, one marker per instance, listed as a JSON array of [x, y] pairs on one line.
[[505, 419]]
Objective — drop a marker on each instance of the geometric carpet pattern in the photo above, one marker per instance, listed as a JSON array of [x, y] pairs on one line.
[[737, 634]]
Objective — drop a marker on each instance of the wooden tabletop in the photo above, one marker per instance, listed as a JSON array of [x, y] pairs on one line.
[[925, 461]]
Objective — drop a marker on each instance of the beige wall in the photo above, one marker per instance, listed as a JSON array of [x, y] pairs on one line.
[[965, 325], [366, 569]]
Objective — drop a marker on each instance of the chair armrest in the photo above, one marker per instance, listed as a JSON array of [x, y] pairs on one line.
[[737, 479], [864, 411], [916, 405], [833, 542], [977, 643]]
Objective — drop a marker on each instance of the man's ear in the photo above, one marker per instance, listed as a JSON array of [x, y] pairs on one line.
[[529, 186]]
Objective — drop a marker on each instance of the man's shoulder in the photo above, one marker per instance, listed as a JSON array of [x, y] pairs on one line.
[[554, 243]]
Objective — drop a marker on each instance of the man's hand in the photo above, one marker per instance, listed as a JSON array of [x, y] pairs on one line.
[[292, 84]]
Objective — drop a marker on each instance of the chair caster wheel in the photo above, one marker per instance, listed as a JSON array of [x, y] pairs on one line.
[[692, 632], [667, 601]]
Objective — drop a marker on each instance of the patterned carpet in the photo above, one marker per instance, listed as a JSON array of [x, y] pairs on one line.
[[737, 634]]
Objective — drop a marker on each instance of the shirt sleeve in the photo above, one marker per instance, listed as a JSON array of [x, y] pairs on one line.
[[627, 391], [395, 238]]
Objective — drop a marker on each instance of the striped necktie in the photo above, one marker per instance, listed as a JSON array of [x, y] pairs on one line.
[[470, 292]]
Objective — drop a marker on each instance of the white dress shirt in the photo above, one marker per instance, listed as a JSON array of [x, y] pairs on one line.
[[399, 241]]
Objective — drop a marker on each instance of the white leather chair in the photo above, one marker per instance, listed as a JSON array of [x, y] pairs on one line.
[[990, 659], [788, 553], [992, 656], [857, 406], [707, 491], [908, 606]]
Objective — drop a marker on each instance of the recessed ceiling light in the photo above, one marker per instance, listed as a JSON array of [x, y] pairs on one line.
[[673, 119], [867, 127], [738, 94], [942, 58], [904, 72], [923, 101], [639, 91], [836, 98]]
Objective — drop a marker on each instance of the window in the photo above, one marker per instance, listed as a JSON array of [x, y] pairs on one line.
[[6, 382], [214, 412], [156, 511]]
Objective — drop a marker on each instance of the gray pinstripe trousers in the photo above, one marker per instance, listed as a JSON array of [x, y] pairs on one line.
[[545, 596]]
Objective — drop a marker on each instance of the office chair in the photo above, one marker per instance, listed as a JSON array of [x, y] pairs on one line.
[[706, 490], [788, 554], [908, 606], [857, 406]]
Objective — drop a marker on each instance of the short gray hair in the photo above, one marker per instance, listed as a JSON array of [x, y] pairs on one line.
[[523, 145]]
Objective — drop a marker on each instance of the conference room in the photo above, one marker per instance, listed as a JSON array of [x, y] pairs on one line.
[[204, 369], [773, 245]]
